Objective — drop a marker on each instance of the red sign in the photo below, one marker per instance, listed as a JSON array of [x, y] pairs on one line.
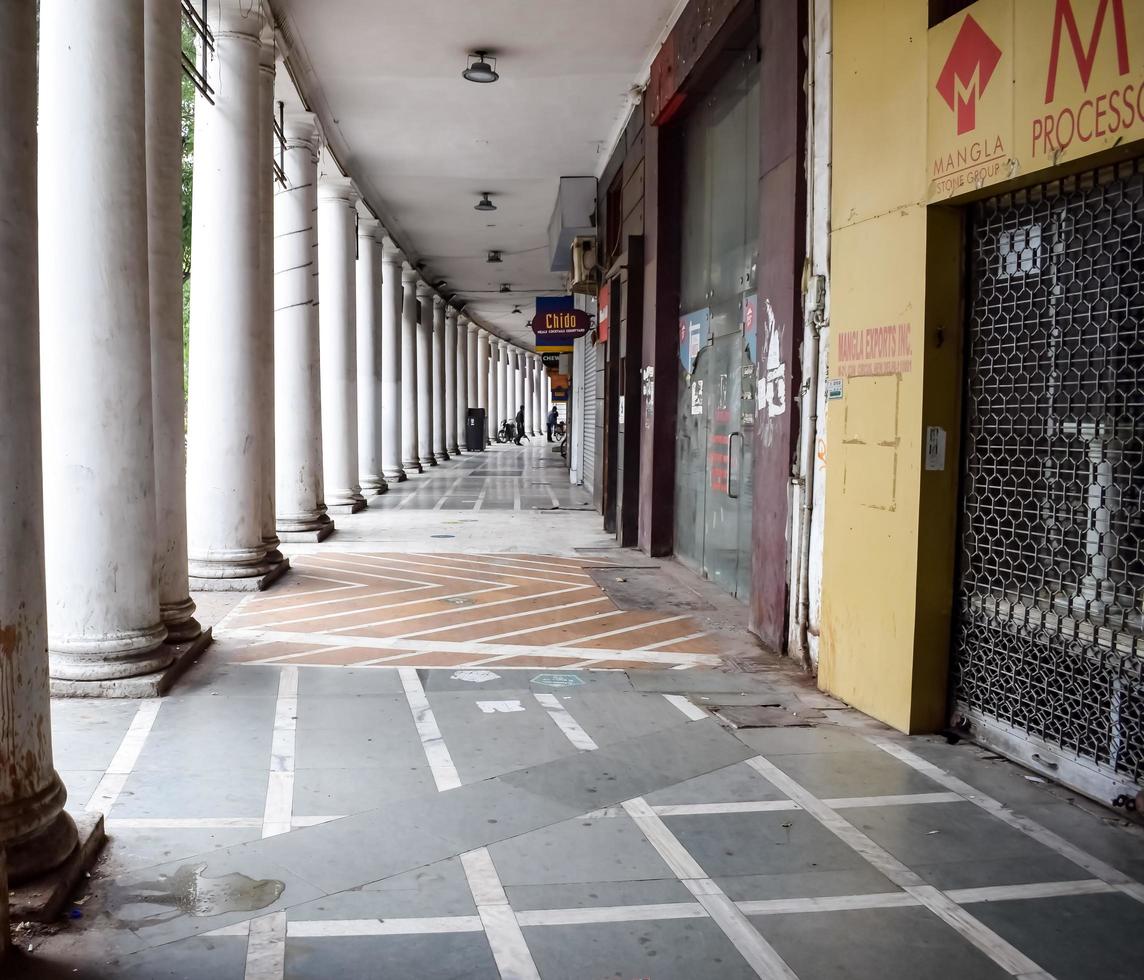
[[602, 317], [971, 63]]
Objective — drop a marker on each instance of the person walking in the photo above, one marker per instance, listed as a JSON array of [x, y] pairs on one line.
[[550, 421], [519, 424]]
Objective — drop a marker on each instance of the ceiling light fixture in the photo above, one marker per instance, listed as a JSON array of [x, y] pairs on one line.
[[481, 70], [485, 203], [494, 257], [505, 288], [517, 311]]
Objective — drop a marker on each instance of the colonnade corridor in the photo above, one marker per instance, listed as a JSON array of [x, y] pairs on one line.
[[468, 737]]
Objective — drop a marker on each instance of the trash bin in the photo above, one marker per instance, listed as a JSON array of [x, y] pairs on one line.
[[475, 430]]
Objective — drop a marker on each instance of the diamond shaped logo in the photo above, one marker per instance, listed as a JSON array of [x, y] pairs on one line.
[[967, 72]]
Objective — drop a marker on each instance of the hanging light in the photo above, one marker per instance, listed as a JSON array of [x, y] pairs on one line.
[[485, 203], [494, 256], [479, 70], [505, 288]]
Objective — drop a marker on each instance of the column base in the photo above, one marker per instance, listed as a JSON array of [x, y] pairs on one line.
[[428, 461], [249, 583], [352, 507], [441, 456], [43, 899], [178, 617], [411, 466], [374, 488], [308, 537], [396, 476], [454, 450], [153, 685]]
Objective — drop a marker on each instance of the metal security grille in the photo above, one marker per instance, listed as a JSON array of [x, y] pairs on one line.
[[1048, 633]]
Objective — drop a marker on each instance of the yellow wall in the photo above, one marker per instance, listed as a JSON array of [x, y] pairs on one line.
[[889, 535]]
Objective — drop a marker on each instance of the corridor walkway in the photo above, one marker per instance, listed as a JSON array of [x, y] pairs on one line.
[[465, 745]]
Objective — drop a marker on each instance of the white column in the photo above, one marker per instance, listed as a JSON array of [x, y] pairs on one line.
[[163, 88], [265, 359], [410, 403], [224, 457], [466, 396], [337, 328], [472, 362], [484, 363], [35, 831], [537, 409], [529, 388], [300, 498], [98, 429], [502, 382], [425, 376], [518, 378], [440, 413], [369, 417], [454, 380], [391, 259]]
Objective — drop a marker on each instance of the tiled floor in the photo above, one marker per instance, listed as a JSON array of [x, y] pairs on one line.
[[286, 814]]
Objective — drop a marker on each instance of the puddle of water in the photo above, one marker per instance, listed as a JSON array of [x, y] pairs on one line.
[[190, 890]]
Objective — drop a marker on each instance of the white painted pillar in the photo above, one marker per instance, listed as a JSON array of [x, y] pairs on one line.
[[465, 395], [529, 389], [472, 361], [425, 376], [484, 363], [35, 831], [337, 328], [300, 496], [163, 88], [410, 403], [454, 380], [440, 407], [391, 259], [496, 390], [369, 409], [518, 378], [265, 358], [98, 428], [224, 456], [541, 380], [504, 392]]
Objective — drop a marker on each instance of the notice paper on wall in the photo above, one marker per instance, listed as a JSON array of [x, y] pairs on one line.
[[697, 397], [935, 448]]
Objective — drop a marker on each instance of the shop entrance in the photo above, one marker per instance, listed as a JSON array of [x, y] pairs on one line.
[[1047, 650], [716, 391]]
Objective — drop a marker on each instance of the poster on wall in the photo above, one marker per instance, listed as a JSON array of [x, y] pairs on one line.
[[749, 318], [693, 332], [604, 314]]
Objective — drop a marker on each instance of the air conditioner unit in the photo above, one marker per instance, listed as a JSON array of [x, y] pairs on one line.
[[585, 269]]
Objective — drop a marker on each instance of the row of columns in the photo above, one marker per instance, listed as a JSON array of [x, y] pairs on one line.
[[321, 366]]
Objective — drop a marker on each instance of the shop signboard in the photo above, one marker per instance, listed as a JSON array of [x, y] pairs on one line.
[[557, 323], [1018, 86]]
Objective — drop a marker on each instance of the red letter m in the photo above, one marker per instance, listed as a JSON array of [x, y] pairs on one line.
[[1085, 58]]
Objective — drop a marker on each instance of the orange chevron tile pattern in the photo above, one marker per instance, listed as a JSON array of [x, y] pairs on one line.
[[454, 610]]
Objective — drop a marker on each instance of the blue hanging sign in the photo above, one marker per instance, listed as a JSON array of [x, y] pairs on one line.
[[557, 323]]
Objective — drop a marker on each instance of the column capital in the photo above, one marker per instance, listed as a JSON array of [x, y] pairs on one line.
[[239, 18], [337, 189], [390, 253], [300, 129], [370, 228], [269, 49], [424, 290], [452, 311], [439, 302], [409, 275]]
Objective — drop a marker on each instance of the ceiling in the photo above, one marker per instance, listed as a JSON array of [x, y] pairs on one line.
[[422, 143]]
